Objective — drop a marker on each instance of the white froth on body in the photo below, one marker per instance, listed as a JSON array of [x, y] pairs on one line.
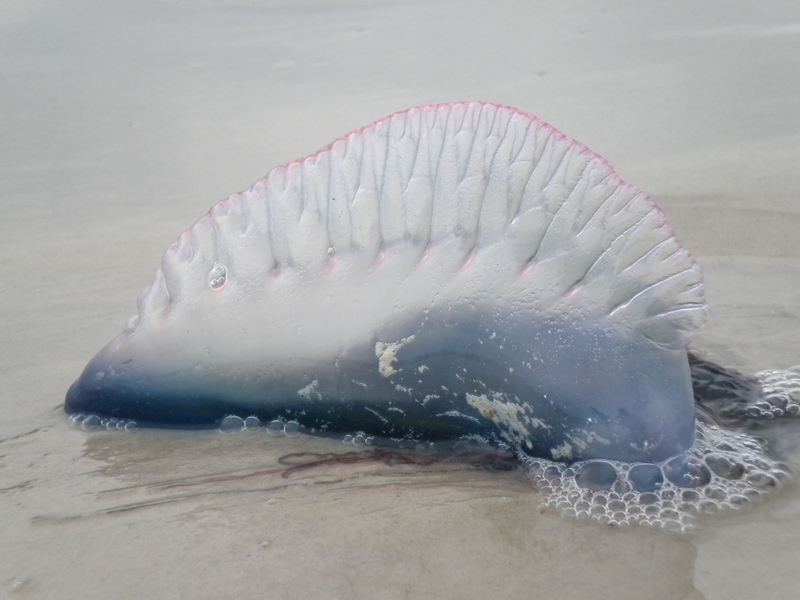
[[307, 391], [387, 355]]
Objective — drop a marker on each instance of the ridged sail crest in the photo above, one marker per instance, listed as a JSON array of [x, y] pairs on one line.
[[466, 202]]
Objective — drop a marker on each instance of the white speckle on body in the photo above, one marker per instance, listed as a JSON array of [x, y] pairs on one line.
[[377, 414], [387, 355], [308, 390], [455, 413], [582, 438], [430, 397], [646, 446], [591, 436], [511, 415], [538, 423], [561, 452]]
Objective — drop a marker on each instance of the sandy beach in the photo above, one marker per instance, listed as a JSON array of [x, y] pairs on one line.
[[123, 122]]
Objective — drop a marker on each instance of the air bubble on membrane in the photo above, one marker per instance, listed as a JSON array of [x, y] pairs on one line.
[[231, 424], [275, 427]]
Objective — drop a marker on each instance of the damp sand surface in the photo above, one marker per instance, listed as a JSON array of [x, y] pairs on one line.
[[123, 122]]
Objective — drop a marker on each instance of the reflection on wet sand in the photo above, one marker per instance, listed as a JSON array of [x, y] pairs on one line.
[[305, 518]]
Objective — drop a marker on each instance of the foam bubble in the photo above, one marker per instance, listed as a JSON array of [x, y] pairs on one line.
[[358, 439], [90, 422], [252, 423], [236, 424], [231, 424], [724, 470], [275, 427], [781, 393]]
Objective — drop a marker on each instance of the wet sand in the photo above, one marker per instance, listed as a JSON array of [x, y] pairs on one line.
[[123, 122]]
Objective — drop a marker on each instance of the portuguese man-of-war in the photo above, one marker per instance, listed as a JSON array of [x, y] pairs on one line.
[[452, 272]]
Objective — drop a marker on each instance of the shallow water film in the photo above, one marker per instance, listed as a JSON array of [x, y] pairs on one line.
[[122, 123]]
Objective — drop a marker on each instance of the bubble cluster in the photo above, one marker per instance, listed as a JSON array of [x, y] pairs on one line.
[[735, 399], [235, 423], [93, 422], [780, 394], [358, 439], [723, 471], [218, 276]]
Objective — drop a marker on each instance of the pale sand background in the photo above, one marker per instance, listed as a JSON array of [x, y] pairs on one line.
[[123, 122]]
